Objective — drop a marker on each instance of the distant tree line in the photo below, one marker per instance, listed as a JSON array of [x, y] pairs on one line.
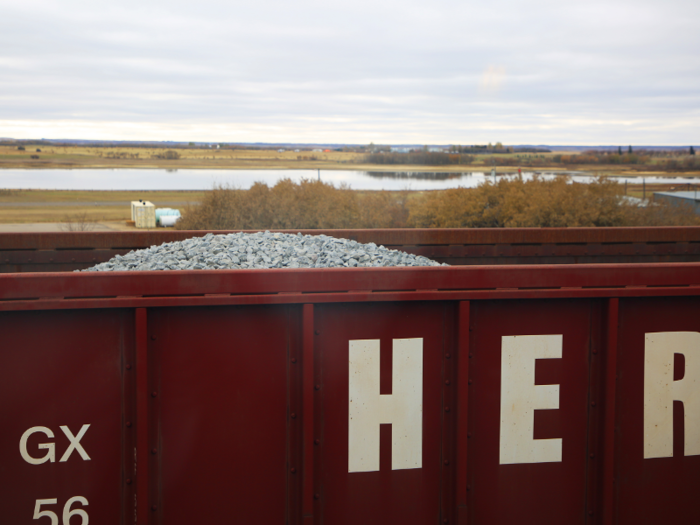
[[669, 160], [482, 150], [665, 160], [531, 150], [691, 163], [424, 158]]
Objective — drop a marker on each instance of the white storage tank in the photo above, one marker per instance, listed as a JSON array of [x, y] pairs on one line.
[[167, 216]]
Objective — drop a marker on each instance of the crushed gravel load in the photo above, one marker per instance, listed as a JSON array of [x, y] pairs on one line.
[[239, 251]]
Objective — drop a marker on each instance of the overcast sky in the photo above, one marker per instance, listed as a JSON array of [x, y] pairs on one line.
[[409, 71]]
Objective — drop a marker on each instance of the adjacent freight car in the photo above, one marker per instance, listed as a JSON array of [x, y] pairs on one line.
[[52, 252]]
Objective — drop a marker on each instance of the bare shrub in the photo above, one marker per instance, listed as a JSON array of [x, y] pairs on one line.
[[664, 214], [121, 155], [78, 222], [308, 204], [511, 203], [382, 209], [514, 203], [167, 155]]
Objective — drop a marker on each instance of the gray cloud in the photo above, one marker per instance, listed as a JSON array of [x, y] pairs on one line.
[[447, 71]]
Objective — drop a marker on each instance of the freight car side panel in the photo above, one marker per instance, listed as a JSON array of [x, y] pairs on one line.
[[380, 378], [62, 441], [657, 452], [218, 382], [529, 411], [484, 396]]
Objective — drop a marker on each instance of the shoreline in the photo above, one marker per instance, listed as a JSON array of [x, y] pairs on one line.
[[266, 166]]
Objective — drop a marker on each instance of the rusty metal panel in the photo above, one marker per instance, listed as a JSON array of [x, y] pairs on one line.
[[63, 444], [664, 488], [537, 475], [66, 251], [383, 489], [403, 236], [220, 418], [178, 284], [75, 258]]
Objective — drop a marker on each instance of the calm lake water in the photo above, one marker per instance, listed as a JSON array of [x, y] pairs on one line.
[[202, 179]]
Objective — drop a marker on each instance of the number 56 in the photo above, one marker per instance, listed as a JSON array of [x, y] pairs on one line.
[[67, 513]]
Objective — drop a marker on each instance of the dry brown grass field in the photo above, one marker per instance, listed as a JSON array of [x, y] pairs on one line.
[[27, 206], [211, 158], [88, 157]]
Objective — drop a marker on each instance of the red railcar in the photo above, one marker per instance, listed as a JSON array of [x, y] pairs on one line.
[[51, 252], [482, 394]]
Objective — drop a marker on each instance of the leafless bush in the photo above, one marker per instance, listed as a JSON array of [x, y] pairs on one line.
[[78, 222], [541, 203], [510, 203], [167, 155], [308, 204], [121, 155]]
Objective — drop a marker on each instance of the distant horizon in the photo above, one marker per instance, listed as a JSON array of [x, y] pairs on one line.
[[343, 144]]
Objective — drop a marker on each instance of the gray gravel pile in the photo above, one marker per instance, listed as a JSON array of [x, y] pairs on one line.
[[260, 250]]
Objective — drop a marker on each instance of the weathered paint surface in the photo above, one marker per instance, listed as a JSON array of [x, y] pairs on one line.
[[63, 414], [652, 490], [383, 494], [66, 251]]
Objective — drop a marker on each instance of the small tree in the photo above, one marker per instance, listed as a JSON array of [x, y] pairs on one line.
[[79, 222], [692, 150], [629, 150], [20, 148], [619, 150]]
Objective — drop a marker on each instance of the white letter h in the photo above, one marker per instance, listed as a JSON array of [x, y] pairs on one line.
[[403, 409]]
